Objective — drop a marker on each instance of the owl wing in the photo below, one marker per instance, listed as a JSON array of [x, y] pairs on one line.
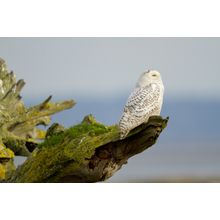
[[143, 100]]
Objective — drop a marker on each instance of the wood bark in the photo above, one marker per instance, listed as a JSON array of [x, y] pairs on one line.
[[92, 156]]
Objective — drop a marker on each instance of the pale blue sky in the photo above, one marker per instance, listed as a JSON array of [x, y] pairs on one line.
[[100, 67]]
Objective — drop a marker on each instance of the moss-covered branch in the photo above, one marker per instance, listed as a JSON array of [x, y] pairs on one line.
[[18, 125], [88, 152]]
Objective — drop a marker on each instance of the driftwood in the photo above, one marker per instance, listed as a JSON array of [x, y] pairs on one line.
[[87, 152]]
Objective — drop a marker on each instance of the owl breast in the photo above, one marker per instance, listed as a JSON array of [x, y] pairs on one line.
[[142, 103]]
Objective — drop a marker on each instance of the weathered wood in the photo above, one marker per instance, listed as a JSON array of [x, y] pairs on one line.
[[88, 152], [18, 124]]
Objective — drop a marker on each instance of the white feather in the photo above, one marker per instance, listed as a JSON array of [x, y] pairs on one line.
[[145, 101]]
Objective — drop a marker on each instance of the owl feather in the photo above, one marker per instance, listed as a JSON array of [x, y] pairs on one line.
[[145, 101]]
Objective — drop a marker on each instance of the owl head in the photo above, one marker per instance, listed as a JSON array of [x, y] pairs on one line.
[[150, 76]]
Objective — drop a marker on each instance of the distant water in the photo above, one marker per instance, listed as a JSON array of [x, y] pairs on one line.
[[188, 148], [190, 120]]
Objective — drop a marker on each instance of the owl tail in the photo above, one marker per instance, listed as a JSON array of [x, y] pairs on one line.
[[123, 134], [123, 126]]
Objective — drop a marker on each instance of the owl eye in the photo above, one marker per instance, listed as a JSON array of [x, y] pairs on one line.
[[154, 74]]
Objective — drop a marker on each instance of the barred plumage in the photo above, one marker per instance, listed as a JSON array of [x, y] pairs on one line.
[[145, 101]]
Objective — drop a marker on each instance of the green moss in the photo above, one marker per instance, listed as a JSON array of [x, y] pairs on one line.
[[87, 137], [77, 133], [85, 129], [73, 147], [67, 153], [52, 141]]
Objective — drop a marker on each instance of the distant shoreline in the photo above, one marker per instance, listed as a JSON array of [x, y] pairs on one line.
[[173, 180]]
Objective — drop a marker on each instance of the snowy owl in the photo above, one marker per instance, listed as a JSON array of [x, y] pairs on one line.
[[145, 101]]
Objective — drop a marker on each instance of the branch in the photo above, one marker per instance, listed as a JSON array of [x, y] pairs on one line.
[[19, 133], [87, 152]]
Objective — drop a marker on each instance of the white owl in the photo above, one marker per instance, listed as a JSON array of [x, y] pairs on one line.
[[145, 101]]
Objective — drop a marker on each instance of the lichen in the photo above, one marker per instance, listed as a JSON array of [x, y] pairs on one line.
[[18, 124], [6, 162], [5, 152], [16, 120], [74, 145], [2, 172]]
